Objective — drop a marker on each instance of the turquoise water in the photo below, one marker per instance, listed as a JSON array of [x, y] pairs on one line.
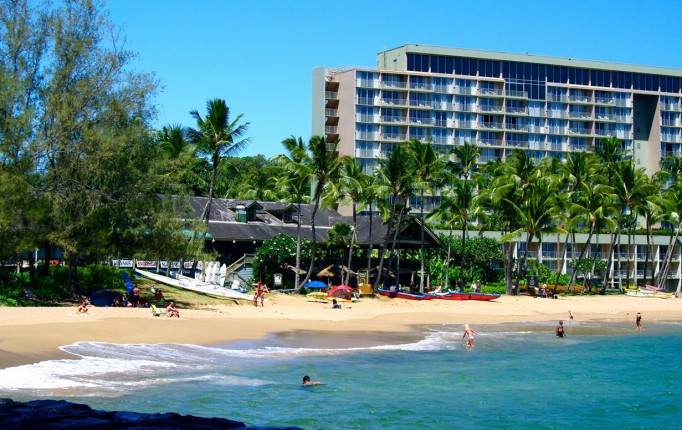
[[603, 375]]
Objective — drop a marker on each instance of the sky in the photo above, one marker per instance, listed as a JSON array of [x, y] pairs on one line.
[[259, 55]]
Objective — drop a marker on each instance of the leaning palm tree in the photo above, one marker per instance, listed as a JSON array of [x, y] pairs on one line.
[[396, 181], [428, 168], [216, 136], [323, 164], [632, 185], [295, 182], [353, 184]]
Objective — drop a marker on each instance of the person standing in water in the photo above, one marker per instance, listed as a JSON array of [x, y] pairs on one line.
[[469, 332], [560, 329], [638, 321]]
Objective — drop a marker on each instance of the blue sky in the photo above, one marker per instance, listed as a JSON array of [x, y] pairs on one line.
[[259, 55]]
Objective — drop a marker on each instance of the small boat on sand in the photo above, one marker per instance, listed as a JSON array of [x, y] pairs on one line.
[[467, 296], [405, 295], [188, 283]]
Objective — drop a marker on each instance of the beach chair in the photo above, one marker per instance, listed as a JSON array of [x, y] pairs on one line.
[[155, 311]]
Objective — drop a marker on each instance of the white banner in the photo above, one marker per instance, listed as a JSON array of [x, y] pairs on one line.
[[122, 263]]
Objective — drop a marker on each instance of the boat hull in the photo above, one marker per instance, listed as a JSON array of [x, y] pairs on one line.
[[190, 284], [468, 296], [404, 295]]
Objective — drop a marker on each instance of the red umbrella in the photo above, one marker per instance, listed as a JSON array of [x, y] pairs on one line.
[[341, 292]]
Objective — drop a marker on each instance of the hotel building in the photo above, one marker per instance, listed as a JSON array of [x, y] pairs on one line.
[[547, 106]]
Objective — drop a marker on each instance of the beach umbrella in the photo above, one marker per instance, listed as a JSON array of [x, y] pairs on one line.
[[326, 273], [315, 284], [341, 292]]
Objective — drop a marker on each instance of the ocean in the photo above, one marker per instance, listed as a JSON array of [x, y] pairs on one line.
[[517, 376]]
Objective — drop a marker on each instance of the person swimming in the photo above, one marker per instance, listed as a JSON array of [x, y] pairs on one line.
[[307, 381]]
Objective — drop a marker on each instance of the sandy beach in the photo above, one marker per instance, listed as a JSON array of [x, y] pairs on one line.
[[34, 334]]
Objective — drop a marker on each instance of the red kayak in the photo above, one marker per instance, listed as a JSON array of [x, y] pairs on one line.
[[405, 295], [467, 296]]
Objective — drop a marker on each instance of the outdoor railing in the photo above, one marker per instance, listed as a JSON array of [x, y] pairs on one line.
[[393, 84], [517, 94], [557, 97], [331, 95], [331, 129]]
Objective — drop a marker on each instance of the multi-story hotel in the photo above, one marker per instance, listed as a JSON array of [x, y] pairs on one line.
[[545, 105]]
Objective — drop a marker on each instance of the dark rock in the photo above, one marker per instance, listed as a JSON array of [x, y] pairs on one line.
[[60, 414]]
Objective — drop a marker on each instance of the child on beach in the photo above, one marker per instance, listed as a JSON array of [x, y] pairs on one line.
[[83, 307], [470, 332], [638, 321]]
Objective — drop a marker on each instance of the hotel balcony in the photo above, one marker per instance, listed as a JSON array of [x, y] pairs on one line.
[[394, 102], [367, 118], [440, 140], [580, 131], [516, 94], [563, 98], [331, 129], [604, 133], [421, 86], [555, 147], [516, 127], [671, 107], [491, 92], [422, 121], [556, 130], [516, 111], [491, 109], [360, 135], [673, 138], [465, 124], [447, 123], [394, 85], [490, 142], [623, 102], [331, 95], [465, 108], [442, 106], [392, 119], [369, 101], [670, 123], [605, 101], [366, 153], [394, 137], [445, 89], [331, 112], [421, 104], [580, 115], [603, 117], [557, 114], [491, 126], [465, 91], [579, 98]]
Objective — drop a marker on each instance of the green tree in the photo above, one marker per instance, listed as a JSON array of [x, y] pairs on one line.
[[217, 136], [353, 184]]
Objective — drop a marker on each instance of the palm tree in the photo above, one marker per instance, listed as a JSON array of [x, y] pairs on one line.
[[353, 183], [216, 136], [323, 166], [632, 185], [464, 163], [595, 209], [396, 181], [427, 167], [610, 152], [295, 182]]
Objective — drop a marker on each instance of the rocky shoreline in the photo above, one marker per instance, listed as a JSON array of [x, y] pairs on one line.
[[56, 414]]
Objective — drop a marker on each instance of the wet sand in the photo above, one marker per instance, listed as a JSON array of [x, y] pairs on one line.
[[29, 335]]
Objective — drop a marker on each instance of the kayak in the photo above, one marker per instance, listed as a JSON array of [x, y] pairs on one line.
[[467, 296], [405, 295]]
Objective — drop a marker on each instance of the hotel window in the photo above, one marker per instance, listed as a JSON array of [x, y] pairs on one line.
[[601, 78], [579, 76], [465, 66]]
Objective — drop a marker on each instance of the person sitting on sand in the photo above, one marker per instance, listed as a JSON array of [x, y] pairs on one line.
[[307, 381], [172, 311], [83, 307], [335, 304]]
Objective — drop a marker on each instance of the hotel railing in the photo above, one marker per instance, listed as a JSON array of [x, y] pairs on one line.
[[467, 91], [332, 129], [516, 110], [670, 123], [557, 97], [393, 84], [490, 92], [366, 136], [581, 115], [331, 112], [391, 118], [367, 101], [394, 136], [557, 114], [517, 94], [331, 95]]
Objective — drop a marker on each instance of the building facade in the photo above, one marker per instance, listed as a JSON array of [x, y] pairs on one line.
[[547, 106]]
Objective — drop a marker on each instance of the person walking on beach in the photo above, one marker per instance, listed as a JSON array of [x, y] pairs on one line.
[[560, 330], [469, 332], [638, 321], [570, 316], [260, 294]]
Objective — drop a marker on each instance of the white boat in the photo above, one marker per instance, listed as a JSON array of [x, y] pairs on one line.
[[190, 284], [643, 293]]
